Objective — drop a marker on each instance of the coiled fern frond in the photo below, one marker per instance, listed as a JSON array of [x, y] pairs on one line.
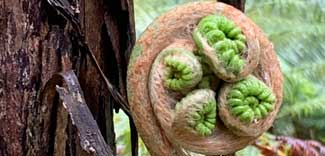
[[225, 38], [183, 71], [250, 99], [200, 107]]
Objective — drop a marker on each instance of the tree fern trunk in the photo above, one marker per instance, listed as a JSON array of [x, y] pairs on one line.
[[34, 39], [239, 4]]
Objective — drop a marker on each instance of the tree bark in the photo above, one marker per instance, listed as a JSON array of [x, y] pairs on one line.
[[239, 4], [34, 39]]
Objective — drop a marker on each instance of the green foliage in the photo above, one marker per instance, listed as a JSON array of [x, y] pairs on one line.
[[123, 135], [147, 10], [249, 150], [297, 29]]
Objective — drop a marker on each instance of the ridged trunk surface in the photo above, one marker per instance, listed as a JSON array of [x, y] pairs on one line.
[[34, 39]]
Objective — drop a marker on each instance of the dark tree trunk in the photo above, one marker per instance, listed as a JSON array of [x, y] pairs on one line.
[[239, 4], [35, 43]]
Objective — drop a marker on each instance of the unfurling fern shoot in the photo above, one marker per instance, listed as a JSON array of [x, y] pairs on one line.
[[173, 81], [223, 44], [225, 38], [250, 100], [198, 108], [246, 105], [183, 71]]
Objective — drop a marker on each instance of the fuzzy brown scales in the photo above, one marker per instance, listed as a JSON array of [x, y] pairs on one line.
[[153, 117]]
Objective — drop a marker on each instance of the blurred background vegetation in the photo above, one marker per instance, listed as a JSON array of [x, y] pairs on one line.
[[297, 30]]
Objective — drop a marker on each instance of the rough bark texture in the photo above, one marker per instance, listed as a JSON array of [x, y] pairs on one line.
[[88, 138], [33, 40]]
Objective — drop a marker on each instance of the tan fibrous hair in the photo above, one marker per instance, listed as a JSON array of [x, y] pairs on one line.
[[183, 83]]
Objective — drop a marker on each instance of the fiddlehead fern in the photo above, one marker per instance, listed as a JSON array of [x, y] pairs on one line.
[[225, 38], [199, 110], [183, 71], [250, 99], [153, 100], [246, 105], [222, 43]]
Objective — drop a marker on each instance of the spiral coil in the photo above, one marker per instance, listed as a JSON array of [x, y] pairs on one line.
[[178, 102], [225, 38], [250, 100]]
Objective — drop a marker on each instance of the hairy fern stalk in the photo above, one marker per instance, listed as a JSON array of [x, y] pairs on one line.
[[183, 76]]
